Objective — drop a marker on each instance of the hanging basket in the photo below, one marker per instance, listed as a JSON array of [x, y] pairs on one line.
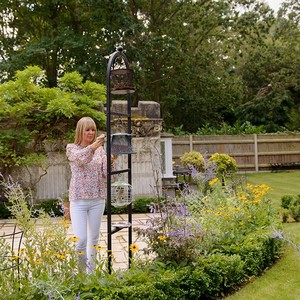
[[121, 194]]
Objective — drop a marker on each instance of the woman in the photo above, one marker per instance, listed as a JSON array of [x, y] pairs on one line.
[[87, 189]]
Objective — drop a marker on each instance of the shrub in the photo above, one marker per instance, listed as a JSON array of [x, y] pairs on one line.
[[4, 211], [54, 209], [295, 212], [285, 215], [291, 206], [257, 251], [50, 207], [286, 201], [139, 205], [225, 164], [194, 159], [142, 204], [35, 115]]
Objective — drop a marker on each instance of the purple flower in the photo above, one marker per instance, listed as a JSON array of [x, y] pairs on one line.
[[278, 234]]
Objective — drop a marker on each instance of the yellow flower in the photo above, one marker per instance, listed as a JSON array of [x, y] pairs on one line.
[[14, 258], [47, 252], [74, 239], [21, 251], [213, 181], [37, 261], [60, 255], [134, 247], [162, 237], [97, 247], [65, 223], [250, 186], [80, 252], [219, 213]]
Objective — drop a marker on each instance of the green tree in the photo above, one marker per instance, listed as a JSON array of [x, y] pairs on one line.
[[59, 36], [187, 57], [203, 61], [31, 115], [271, 72]]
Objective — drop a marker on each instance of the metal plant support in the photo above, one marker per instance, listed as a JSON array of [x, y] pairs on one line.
[[120, 76], [11, 261]]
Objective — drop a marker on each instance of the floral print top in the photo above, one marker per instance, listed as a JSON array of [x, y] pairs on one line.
[[88, 172]]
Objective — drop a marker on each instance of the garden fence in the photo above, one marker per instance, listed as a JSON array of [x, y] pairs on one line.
[[252, 152]]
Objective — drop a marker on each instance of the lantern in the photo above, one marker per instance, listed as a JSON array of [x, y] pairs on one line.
[[121, 194], [121, 143]]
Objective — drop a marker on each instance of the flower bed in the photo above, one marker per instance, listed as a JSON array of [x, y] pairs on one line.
[[201, 246]]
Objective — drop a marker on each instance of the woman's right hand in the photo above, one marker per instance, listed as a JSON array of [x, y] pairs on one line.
[[99, 142]]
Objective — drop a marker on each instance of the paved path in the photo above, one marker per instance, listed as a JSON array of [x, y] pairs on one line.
[[119, 239]]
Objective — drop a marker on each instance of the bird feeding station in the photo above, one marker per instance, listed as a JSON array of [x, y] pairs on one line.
[[122, 81], [121, 194], [119, 78], [121, 143]]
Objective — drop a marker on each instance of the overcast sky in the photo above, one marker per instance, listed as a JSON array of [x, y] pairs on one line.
[[274, 4]]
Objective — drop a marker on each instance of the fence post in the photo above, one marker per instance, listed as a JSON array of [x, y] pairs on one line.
[[255, 152], [191, 143]]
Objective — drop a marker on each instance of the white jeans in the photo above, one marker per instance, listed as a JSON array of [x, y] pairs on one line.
[[86, 216]]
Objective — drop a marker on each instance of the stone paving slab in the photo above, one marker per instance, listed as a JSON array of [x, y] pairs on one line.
[[119, 239]]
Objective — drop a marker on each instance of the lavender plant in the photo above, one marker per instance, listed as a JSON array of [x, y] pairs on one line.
[[172, 232], [281, 235]]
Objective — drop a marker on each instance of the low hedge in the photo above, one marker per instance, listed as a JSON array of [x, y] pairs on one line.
[[257, 252], [53, 207], [210, 277]]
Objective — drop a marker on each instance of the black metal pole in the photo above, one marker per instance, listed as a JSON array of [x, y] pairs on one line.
[[112, 59], [130, 182]]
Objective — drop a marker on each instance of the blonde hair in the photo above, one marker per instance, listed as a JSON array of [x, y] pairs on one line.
[[81, 126]]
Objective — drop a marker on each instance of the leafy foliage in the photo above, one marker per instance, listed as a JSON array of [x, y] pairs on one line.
[[211, 57], [193, 159], [291, 207], [32, 114], [225, 164]]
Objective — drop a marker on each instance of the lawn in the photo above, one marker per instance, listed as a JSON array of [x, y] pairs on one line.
[[282, 280]]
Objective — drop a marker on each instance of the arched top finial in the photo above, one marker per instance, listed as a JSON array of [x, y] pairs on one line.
[[120, 48]]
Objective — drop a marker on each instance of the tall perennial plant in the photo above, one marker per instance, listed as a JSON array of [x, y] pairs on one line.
[[47, 260], [199, 223]]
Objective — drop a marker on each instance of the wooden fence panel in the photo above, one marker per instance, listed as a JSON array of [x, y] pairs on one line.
[[252, 152]]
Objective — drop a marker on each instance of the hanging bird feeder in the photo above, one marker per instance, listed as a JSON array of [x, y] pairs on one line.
[[121, 143], [121, 194], [122, 81]]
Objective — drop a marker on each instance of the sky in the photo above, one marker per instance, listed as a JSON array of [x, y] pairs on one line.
[[274, 4]]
